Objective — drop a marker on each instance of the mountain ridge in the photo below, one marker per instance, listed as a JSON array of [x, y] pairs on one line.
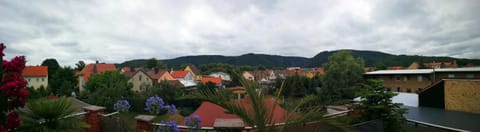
[[371, 58]]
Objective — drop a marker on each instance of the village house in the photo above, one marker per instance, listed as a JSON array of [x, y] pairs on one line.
[[415, 80], [36, 76], [248, 76], [91, 69], [197, 75], [159, 75], [185, 77], [215, 80], [224, 76], [140, 80], [312, 72]]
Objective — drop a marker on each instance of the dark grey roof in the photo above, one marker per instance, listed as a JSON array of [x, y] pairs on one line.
[[447, 118]]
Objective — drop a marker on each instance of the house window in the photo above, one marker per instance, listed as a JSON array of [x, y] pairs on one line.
[[419, 78], [140, 77], [451, 75], [398, 89], [43, 79], [397, 78], [37, 79], [470, 76], [28, 80], [405, 78]]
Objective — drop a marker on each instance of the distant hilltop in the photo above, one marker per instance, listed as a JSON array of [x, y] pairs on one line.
[[371, 58]]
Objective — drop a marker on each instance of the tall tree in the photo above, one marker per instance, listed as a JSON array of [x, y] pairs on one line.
[[52, 65], [103, 89], [63, 81], [152, 63], [343, 74], [80, 65]]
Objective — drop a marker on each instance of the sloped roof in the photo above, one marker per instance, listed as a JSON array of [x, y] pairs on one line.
[[35, 71], [215, 80], [208, 112], [155, 75], [95, 68], [179, 74], [194, 69]]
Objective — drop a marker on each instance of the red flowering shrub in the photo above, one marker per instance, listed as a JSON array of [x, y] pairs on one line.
[[12, 91]]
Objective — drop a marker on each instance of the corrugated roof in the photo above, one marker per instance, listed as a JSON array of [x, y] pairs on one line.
[[35, 71], [424, 71]]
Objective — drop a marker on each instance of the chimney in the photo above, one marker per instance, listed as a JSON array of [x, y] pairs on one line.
[[171, 70], [96, 62], [95, 68]]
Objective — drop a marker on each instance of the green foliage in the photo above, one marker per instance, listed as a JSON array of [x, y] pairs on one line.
[[152, 63], [63, 81], [37, 93], [80, 65], [50, 115], [377, 103], [166, 91], [342, 75], [52, 65], [106, 88]]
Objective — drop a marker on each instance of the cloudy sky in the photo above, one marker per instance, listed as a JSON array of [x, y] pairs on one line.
[[114, 31]]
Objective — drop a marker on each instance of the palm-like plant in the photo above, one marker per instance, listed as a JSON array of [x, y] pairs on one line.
[[51, 115], [260, 115]]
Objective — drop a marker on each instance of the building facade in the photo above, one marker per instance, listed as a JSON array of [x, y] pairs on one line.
[[414, 80], [36, 76]]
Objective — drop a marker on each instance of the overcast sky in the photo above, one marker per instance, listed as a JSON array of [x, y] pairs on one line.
[[114, 31]]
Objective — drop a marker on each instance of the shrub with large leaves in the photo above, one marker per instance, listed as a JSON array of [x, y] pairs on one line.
[[44, 115]]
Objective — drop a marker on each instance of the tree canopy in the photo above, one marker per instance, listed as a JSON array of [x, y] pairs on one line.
[[106, 88], [343, 74]]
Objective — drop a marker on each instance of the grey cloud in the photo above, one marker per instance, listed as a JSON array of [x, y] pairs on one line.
[[115, 31]]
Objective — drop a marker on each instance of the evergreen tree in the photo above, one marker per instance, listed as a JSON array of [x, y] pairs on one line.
[[376, 103]]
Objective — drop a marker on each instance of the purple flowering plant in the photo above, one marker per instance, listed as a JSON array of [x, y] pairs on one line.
[[170, 126], [121, 105], [195, 122], [155, 105]]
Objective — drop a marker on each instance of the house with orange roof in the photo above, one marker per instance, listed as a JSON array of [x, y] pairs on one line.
[[216, 80], [91, 69], [160, 75], [36, 76], [185, 77]]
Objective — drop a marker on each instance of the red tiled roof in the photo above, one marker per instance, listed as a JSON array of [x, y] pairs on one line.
[[179, 74], [100, 68], [215, 80], [396, 68], [208, 112], [35, 71]]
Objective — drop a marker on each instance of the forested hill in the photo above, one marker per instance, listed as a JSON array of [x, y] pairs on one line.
[[372, 58]]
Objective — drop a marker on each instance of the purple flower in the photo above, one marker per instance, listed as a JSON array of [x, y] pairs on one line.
[[154, 105], [195, 121], [169, 126], [121, 105], [173, 109]]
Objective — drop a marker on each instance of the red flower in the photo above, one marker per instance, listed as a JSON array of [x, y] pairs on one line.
[[13, 120], [2, 129], [15, 65]]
